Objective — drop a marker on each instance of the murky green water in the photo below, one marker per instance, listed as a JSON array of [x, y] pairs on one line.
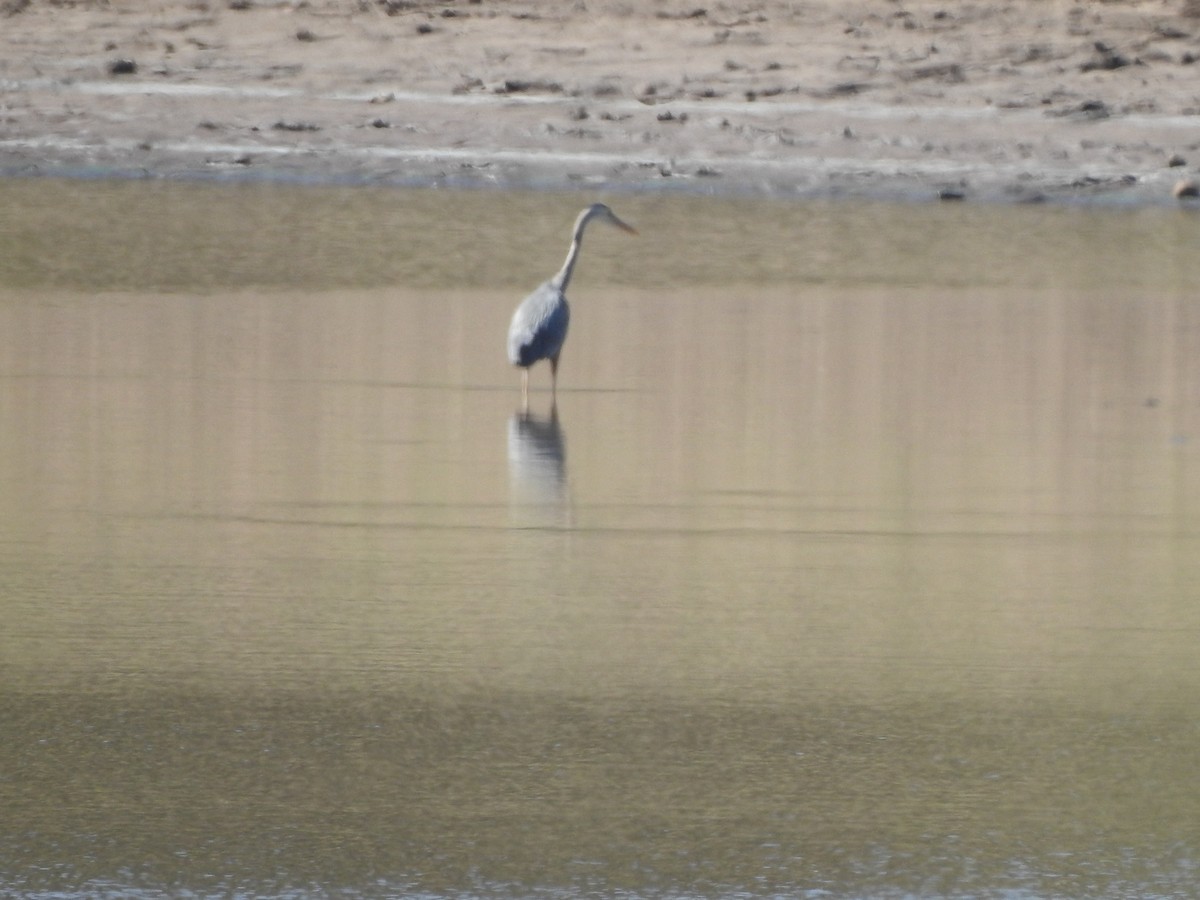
[[860, 558]]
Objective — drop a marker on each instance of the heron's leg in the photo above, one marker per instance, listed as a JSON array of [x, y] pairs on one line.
[[525, 386], [554, 376]]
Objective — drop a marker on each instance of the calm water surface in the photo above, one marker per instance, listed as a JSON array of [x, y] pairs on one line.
[[860, 556]]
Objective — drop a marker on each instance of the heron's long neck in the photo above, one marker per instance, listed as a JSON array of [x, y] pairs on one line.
[[563, 278]]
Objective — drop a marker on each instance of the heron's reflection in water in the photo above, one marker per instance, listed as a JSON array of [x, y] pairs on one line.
[[537, 470]]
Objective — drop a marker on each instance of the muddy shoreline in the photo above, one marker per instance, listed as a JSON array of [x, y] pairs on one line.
[[1003, 101]]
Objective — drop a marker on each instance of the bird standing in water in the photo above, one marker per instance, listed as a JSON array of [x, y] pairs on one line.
[[539, 326]]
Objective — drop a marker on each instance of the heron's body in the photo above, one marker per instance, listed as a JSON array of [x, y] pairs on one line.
[[539, 326]]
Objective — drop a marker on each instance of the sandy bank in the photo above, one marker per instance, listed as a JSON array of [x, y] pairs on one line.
[[1015, 100]]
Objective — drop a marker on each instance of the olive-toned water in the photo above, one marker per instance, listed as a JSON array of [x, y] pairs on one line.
[[860, 556]]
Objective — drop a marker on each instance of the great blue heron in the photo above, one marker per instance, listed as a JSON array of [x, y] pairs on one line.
[[539, 326]]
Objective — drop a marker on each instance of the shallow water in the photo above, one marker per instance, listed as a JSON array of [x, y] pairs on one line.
[[859, 556]]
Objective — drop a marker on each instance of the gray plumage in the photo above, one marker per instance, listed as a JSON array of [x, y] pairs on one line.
[[539, 326]]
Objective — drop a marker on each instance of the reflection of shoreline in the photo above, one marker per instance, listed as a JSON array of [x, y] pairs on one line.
[[537, 469]]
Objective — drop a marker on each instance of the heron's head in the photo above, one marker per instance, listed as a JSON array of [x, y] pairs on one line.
[[602, 213]]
